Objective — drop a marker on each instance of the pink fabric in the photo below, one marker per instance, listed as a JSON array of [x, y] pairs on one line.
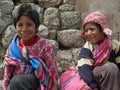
[[99, 18], [71, 80], [102, 52]]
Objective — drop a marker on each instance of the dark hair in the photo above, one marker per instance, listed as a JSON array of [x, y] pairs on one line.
[[26, 10], [97, 25]]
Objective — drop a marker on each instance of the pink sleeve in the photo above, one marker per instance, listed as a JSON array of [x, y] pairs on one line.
[[8, 73]]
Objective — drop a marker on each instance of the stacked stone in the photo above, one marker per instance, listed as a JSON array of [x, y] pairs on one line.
[[60, 23]]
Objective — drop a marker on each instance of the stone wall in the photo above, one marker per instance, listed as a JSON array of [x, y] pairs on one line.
[[61, 22]]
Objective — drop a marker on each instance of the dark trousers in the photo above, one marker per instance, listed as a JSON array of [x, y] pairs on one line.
[[23, 82], [107, 76]]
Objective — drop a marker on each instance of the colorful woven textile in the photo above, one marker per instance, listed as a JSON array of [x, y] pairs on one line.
[[18, 55], [71, 80]]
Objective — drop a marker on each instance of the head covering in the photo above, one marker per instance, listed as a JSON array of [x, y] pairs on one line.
[[98, 17], [103, 49]]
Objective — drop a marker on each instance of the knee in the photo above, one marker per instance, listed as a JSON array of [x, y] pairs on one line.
[[110, 69]]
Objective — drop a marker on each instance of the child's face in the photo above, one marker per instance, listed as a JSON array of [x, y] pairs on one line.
[[93, 34], [26, 29]]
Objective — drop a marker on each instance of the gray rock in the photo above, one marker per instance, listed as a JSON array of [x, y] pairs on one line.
[[8, 36], [51, 18], [67, 7], [70, 20], [70, 38], [6, 6], [49, 2]]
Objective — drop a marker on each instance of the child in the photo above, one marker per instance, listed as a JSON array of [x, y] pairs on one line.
[[30, 59]]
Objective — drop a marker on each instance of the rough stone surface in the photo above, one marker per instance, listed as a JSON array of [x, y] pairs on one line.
[[70, 19], [70, 38], [49, 2], [67, 7], [51, 18]]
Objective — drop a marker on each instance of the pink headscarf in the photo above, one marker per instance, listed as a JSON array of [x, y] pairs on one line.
[[98, 17], [101, 52]]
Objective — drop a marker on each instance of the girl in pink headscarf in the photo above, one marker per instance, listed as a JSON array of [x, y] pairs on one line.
[[99, 58]]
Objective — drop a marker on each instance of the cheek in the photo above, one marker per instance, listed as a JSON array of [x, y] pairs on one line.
[[32, 28], [17, 31], [86, 35], [17, 28]]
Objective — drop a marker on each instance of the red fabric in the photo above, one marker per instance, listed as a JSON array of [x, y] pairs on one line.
[[102, 52], [39, 47], [71, 80]]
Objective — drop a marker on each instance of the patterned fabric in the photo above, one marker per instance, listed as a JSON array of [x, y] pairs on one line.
[[102, 52], [86, 56], [70, 80], [19, 61], [86, 61], [97, 53]]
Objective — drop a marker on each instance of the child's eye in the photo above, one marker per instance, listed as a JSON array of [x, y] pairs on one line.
[[30, 25], [19, 24], [92, 29], [85, 30]]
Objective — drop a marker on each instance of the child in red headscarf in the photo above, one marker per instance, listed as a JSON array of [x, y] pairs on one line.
[[99, 58]]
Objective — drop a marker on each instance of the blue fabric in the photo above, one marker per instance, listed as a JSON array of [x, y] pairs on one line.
[[85, 53], [36, 63], [16, 53], [85, 72]]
